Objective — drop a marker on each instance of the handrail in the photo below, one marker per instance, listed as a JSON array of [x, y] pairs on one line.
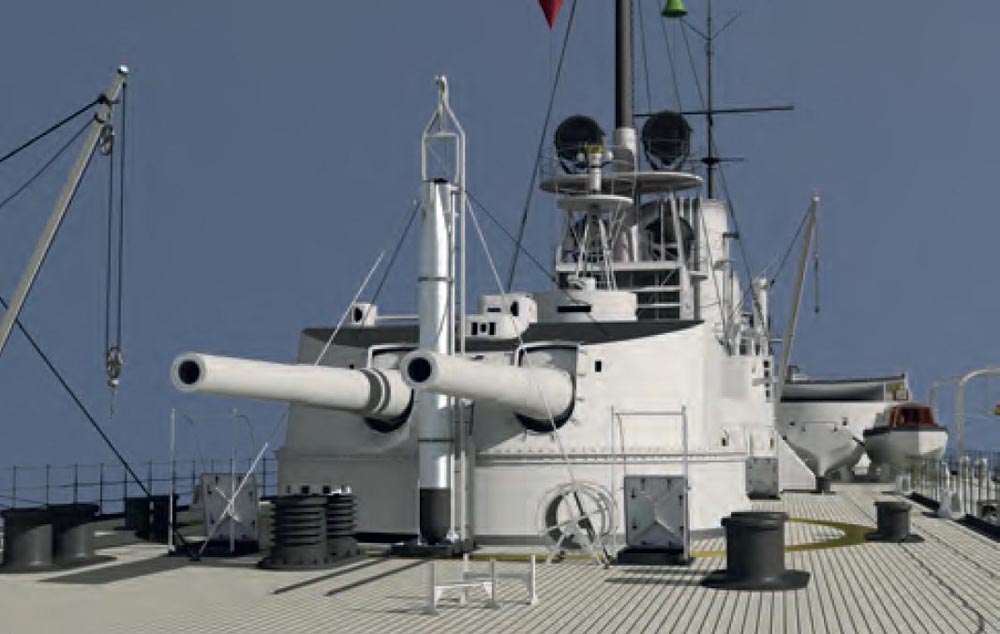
[[109, 484]]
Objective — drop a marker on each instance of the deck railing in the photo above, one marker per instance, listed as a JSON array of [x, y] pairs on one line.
[[109, 484], [975, 478]]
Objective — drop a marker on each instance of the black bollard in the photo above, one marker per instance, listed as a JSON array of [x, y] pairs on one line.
[[755, 555], [159, 525], [136, 514], [299, 533], [893, 519], [73, 534], [340, 526], [823, 486], [27, 544]]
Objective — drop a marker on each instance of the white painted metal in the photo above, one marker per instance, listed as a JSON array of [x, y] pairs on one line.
[[808, 236], [598, 305], [374, 393], [537, 392], [433, 410], [900, 449], [444, 132], [90, 140], [170, 506], [626, 183], [960, 404], [654, 512], [228, 516]]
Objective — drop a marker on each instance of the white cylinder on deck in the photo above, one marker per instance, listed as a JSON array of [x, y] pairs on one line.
[[374, 393], [539, 393], [433, 416]]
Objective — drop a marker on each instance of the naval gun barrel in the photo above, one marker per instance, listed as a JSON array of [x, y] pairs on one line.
[[543, 394], [371, 392]]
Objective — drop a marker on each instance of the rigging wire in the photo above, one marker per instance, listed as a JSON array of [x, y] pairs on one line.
[[541, 267], [86, 413], [113, 289], [548, 410], [121, 217], [730, 206], [368, 277], [645, 59], [31, 340], [791, 247], [378, 289], [41, 135], [45, 166], [670, 59], [108, 250], [541, 144]]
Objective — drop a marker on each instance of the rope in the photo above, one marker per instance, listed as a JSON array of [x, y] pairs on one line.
[[108, 263], [41, 170], [541, 144], [86, 413], [50, 130], [730, 206], [670, 59], [545, 401], [121, 218], [364, 283], [645, 59], [532, 258]]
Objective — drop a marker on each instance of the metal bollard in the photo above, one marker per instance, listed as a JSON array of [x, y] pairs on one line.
[[893, 519], [755, 555]]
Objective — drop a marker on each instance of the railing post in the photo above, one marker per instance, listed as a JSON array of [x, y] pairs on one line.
[[13, 487], [124, 487], [149, 477], [194, 479], [48, 469], [76, 482], [100, 488], [263, 475]]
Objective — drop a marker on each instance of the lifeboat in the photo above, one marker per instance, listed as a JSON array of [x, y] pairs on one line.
[[823, 419], [904, 435]]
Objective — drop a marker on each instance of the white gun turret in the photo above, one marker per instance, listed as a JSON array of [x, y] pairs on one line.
[[371, 392], [542, 394]]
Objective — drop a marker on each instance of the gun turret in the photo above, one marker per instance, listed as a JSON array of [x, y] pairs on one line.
[[539, 396], [373, 393]]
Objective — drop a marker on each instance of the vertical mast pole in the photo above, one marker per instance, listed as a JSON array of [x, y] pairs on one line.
[[711, 160], [624, 105], [440, 418]]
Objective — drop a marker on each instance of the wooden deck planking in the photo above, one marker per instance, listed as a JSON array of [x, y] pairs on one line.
[[949, 583]]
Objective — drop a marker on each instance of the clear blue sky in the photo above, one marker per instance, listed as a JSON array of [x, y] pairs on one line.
[[273, 144]]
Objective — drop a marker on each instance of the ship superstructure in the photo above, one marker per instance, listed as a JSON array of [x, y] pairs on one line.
[[649, 357]]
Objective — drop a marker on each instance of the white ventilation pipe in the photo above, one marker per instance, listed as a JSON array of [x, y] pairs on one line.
[[433, 415]]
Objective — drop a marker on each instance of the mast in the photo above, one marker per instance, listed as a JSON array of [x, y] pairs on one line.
[[624, 104], [710, 160]]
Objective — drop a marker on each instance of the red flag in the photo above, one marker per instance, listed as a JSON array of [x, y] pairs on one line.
[[551, 10]]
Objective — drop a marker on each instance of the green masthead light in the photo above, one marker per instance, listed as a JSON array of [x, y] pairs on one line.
[[674, 9]]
